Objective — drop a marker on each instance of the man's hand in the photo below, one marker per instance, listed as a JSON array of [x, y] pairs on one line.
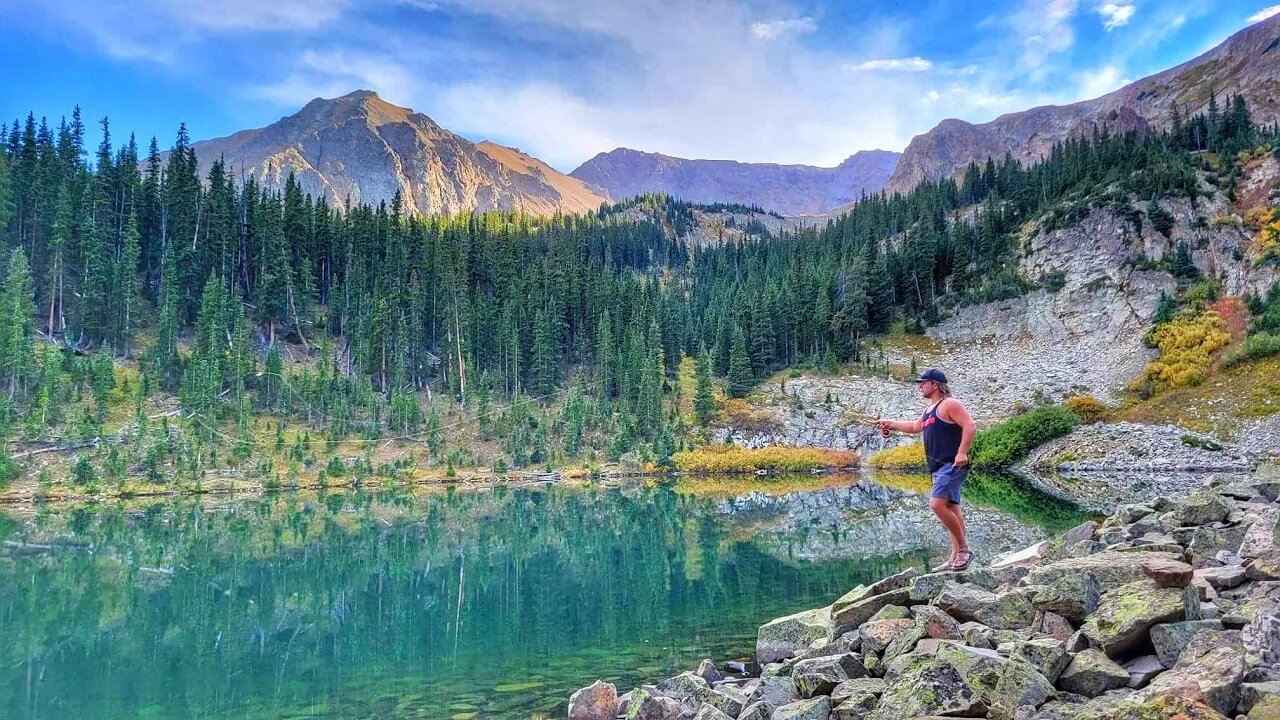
[[962, 460]]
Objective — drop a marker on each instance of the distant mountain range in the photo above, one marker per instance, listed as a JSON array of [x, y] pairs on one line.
[[1247, 63], [360, 148], [788, 189]]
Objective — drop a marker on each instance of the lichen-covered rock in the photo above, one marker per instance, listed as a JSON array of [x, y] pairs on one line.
[[876, 636], [785, 636], [963, 601], [897, 581], [726, 699], [1126, 614], [1169, 639], [1046, 655], [707, 671], [856, 706], [1110, 569], [756, 711], [1267, 708], [1202, 508], [1168, 573], [597, 701], [1020, 686], [1253, 693], [1214, 678], [850, 616], [645, 705], [1010, 610], [929, 686], [708, 712], [1266, 566], [812, 709], [1220, 578], [1091, 673], [891, 612], [1206, 640], [1072, 596], [846, 689], [1263, 533], [819, 676], [1261, 639], [1055, 626]]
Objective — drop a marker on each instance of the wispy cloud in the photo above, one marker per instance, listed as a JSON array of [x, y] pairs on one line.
[[774, 29], [906, 64], [1115, 15], [1264, 13], [1100, 81]]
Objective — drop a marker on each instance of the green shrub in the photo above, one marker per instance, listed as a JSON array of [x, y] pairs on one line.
[[82, 472], [1005, 444], [1255, 347], [9, 470], [1202, 443]]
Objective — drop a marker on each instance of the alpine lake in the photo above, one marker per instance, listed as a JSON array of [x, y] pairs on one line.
[[444, 603]]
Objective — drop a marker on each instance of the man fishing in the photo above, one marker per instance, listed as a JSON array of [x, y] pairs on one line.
[[948, 432]]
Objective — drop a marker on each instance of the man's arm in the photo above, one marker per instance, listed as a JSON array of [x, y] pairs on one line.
[[953, 411], [906, 426]]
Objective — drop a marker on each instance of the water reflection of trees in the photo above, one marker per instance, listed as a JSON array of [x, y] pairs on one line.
[[184, 608]]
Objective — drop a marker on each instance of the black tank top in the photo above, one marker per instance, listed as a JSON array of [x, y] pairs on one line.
[[941, 439]]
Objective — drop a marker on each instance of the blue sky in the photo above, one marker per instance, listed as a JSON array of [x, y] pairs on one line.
[[755, 80]]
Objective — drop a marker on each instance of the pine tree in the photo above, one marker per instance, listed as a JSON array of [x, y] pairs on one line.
[[125, 300], [164, 352], [740, 378], [704, 401], [17, 323]]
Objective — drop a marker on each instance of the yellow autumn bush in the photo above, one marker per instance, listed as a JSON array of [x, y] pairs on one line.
[[732, 459], [1187, 344], [910, 455], [1086, 407]]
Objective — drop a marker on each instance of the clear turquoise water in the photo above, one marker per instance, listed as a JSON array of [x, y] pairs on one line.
[[495, 602]]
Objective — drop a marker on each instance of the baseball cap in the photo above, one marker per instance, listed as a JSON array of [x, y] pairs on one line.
[[933, 374]]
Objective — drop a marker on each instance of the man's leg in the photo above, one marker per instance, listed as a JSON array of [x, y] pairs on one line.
[[954, 525], [964, 530]]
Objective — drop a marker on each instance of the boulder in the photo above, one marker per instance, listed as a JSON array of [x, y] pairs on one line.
[[1126, 614], [1010, 610], [977, 635], [707, 712], [1221, 578], [1091, 673], [1020, 686], [1261, 535], [1261, 639], [785, 636], [773, 692], [848, 688], [936, 623], [963, 601], [1206, 640], [1202, 508], [1046, 655], [597, 701], [928, 686], [1267, 708], [819, 676], [876, 636], [1109, 569], [707, 671], [1266, 566], [891, 612], [646, 705], [851, 615], [1214, 679], [981, 668], [1253, 693], [683, 686], [1169, 639], [1142, 669], [727, 700], [1168, 573], [756, 711], [855, 707], [818, 708], [1072, 596], [1055, 626]]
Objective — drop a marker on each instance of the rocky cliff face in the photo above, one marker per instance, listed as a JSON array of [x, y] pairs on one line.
[[1247, 63], [787, 189], [360, 148]]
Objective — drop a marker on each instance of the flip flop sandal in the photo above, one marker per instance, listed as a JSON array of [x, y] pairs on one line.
[[944, 567], [966, 556]]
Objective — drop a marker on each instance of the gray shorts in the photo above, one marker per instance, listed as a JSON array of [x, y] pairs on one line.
[[947, 481]]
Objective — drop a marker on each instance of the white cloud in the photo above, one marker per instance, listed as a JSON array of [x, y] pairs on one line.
[[906, 64], [774, 29], [329, 73], [1264, 13], [1099, 81], [1115, 15], [1045, 29], [932, 96]]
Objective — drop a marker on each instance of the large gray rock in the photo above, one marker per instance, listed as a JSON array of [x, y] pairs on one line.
[[819, 676], [812, 709], [1142, 669], [1020, 686], [846, 689], [1046, 655], [1261, 639], [786, 636], [646, 705], [773, 692], [682, 686], [963, 601], [897, 581], [1126, 614], [876, 636], [1253, 693], [1169, 639], [1110, 569], [708, 712], [936, 623], [1072, 596], [856, 706], [928, 686], [1202, 508], [597, 701], [1010, 610], [1091, 673], [851, 615], [1213, 678]]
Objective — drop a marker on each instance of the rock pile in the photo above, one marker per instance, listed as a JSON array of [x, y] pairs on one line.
[[1166, 609]]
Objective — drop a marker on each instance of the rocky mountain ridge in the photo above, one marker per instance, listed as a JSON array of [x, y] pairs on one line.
[[787, 189], [1247, 63], [358, 148]]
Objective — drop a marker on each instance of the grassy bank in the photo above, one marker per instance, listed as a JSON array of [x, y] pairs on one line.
[[731, 459]]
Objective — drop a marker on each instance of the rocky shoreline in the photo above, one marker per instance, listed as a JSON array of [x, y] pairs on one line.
[[1169, 608]]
